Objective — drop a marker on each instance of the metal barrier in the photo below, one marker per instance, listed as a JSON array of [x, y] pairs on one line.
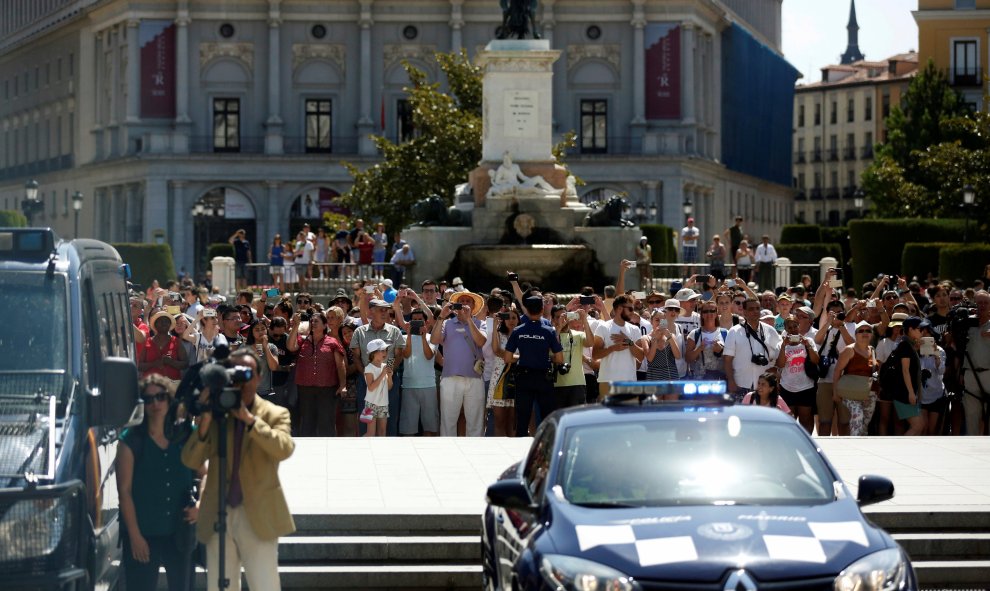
[[327, 277], [784, 272]]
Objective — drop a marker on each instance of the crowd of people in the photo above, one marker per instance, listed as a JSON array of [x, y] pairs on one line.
[[890, 357], [386, 359]]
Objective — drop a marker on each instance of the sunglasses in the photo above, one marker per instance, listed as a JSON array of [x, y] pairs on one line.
[[864, 331], [301, 302], [653, 302], [890, 298], [709, 311], [738, 302], [160, 397]]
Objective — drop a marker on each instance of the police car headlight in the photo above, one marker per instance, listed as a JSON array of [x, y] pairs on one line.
[[567, 573], [886, 570]]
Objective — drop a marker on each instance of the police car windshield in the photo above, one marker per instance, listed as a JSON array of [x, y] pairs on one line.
[[692, 461], [33, 331]]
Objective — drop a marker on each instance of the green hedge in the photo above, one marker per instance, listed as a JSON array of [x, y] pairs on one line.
[[148, 261], [808, 254], [963, 261], [877, 245], [219, 249], [801, 234], [661, 240], [921, 258], [10, 218]]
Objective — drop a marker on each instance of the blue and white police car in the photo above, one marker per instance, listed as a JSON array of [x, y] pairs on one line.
[[694, 494]]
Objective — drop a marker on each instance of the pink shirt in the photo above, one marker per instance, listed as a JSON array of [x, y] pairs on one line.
[[780, 402], [317, 368]]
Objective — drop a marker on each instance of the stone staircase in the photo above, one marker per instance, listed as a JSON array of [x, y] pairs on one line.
[[378, 552], [949, 549]]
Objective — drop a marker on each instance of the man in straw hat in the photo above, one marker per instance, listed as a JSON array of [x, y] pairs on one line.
[[461, 382]]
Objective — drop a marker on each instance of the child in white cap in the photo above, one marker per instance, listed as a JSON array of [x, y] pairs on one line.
[[378, 376]]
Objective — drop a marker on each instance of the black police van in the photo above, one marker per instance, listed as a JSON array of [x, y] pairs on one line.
[[68, 385]]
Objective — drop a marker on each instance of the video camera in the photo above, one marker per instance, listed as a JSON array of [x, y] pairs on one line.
[[962, 317], [221, 376]]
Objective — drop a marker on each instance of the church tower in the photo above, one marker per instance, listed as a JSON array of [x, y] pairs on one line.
[[852, 53]]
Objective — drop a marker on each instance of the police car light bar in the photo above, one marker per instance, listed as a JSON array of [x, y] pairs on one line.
[[689, 391]]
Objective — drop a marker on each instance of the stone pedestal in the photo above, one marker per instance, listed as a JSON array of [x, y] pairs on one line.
[[517, 100]]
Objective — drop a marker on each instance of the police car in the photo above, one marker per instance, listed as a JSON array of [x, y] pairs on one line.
[[694, 494]]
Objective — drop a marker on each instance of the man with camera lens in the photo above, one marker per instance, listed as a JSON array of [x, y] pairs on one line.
[[749, 347], [537, 344], [461, 384], [258, 439]]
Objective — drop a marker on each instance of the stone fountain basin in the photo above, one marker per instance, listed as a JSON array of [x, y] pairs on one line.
[[559, 267]]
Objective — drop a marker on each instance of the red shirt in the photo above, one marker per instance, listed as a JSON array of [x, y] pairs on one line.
[[149, 351], [365, 252], [318, 367]]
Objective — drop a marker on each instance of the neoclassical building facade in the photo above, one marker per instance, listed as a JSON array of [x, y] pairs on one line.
[[152, 107]]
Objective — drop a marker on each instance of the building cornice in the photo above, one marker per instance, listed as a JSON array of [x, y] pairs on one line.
[[942, 15]]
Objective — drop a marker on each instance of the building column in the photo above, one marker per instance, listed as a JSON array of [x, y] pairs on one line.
[[99, 49], [639, 65], [673, 198], [182, 230], [717, 91], [183, 124], [456, 24], [274, 222], [687, 79], [135, 208], [273, 126], [116, 214], [366, 126], [113, 36], [650, 198], [133, 73]]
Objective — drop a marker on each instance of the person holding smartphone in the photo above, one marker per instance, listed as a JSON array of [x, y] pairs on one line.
[[419, 386], [797, 389]]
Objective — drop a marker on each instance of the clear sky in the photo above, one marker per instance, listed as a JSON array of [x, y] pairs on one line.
[[814, 31]]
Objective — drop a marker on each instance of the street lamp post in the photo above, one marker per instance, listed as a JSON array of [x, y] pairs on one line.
[[30, 205], [858, 200], [77, 203], [969, 198]]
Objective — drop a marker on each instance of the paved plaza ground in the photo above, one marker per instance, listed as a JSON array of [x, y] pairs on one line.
[[450, 475]]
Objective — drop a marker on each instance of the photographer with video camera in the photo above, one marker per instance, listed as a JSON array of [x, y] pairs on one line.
[[257, 433]]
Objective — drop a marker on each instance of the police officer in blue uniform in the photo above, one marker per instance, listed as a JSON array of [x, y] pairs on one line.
[[537, 344]]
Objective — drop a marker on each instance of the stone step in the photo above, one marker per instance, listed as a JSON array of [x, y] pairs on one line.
[[945, 546], [896, 520], [380, 549], [946, 574], [423, 524], [425, 577]]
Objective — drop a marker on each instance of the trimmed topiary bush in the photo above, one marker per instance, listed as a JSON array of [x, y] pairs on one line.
[[219, 249], [661, 239], [963, 261], [10, 218], [801, 234], [808, 254], [877, 245], [921, 258], [148, 261]]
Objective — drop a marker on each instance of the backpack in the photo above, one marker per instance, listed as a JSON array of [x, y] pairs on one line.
[[890, 374]]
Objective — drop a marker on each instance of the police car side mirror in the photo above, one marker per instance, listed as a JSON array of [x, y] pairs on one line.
[[874, 489], [510, 494], [114, 402]]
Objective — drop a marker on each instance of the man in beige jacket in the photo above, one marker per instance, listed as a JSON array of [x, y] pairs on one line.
[[258, 438]]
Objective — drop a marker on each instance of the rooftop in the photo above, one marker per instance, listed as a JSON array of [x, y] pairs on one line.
[[897, 67]]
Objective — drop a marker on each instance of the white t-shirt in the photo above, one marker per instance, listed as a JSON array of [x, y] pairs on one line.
[[741, 347], [688, 323], [834, 334], [792, 376], [689, 235], [617, 366], [378, 396], [305, 253]]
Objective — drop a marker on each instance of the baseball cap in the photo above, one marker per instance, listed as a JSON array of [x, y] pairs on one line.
[[764, 313], [387, 282], [457, 281], [376, 345], [898, 318], [913, 322], [377, 303], [686, 294], [672, 303]]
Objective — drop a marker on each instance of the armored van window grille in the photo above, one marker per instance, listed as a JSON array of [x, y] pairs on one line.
[[594, 126], [226, 125], [319, 115]]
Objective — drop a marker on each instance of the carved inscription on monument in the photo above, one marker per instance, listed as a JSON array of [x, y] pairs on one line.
[[521, 117]]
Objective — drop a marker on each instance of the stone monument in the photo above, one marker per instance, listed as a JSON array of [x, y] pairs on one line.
[[523, 207]]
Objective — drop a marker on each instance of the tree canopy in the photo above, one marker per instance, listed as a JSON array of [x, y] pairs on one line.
[[935, 146]]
